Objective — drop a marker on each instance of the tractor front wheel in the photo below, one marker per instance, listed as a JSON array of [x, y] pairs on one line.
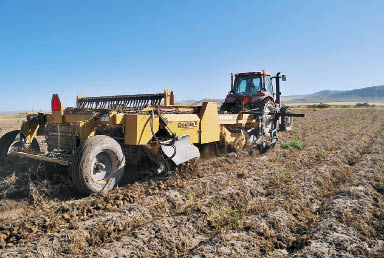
[[98, 165]]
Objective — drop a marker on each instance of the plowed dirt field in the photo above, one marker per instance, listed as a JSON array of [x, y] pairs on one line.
[[322, 196]]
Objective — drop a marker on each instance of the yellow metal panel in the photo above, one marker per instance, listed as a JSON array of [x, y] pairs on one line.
[[57, 116], [173, 108], [113, 118], [169, 98], [29, 128], [237, 119], [86, 129], [107, 119], [73, 118], [118, 119], [185, 124], [79, 96], [236, 140], [209, 125], [130, 130], [181, 117], [138, 129], [49, 118]]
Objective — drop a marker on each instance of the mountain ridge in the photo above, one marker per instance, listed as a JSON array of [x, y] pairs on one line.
[[367, 94]]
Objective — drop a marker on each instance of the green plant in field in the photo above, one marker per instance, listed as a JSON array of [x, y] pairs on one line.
[[296, 131], [295, 144], [220, 216], [321, 105], [235, 217], [214, 204], [323, 154], [365, 104], [380, 186], [191, 204], [364, 139], [190, 197], [285, 178]]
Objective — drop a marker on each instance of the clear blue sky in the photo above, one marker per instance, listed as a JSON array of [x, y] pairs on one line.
[[125, 47]]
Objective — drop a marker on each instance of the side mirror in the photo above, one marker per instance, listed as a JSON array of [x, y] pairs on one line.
[[283, 78]]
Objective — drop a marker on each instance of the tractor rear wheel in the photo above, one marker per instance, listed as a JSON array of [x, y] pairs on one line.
[[10, 142], [266, 106], [286, 121], [98, 165]]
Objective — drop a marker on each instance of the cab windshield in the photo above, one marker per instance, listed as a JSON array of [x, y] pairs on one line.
[[248, 85]]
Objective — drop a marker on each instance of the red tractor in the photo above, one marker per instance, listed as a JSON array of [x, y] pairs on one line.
[[254, 91]]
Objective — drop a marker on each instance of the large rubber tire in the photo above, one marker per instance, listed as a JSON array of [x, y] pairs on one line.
[[6, 142], [266, 105], [286, 121], [98, 165], [224, 108], [230, 108]]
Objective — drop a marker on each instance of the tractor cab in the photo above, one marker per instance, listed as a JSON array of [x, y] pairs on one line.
[[249, 84], [248, 90]]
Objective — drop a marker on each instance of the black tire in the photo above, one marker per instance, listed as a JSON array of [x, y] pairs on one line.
[[98, 165], [7, 140], [286, 121], [267, 105], [224, 108], [234, 108], [263, 146], [221, 147], [229, 108]]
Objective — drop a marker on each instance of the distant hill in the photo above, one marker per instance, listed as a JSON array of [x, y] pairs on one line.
[[368, 94]]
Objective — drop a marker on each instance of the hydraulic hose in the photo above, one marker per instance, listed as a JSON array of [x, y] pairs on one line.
[[157, 139]]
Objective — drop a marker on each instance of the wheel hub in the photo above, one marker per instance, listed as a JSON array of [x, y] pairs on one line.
[[268, 119], [102, 167]]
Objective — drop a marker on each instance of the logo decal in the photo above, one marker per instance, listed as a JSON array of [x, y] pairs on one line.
[[187, 124]]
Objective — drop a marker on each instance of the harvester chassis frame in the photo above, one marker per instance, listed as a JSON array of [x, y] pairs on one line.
[[167, 132]]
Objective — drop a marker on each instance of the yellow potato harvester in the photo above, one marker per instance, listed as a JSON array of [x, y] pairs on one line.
[[102, 137]]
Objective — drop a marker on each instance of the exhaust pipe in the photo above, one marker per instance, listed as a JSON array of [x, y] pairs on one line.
[[231, 81], [278, 93]]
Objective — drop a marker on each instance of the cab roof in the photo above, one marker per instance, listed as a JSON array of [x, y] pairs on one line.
[[252, 73]]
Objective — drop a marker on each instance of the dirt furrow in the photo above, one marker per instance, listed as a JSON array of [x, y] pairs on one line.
[[322, 198]]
